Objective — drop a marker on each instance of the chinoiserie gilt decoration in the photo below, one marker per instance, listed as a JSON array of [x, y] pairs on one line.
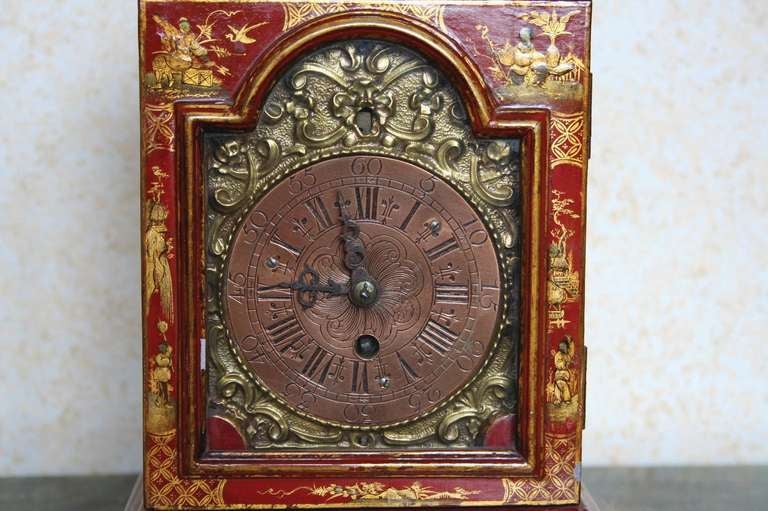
[[348, 99], [561, 485], [300, 12], [525, 71], [158, 130], [161, 406], [158, 247], [167, 490], [158, 255], [190, 59], [372, 492], [562, 390], [567, 135], [362, 228], [563, 284]]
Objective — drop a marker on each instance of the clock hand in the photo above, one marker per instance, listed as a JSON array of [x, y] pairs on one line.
[[354, 249], [332, 288], [308, 286], [363, 288]]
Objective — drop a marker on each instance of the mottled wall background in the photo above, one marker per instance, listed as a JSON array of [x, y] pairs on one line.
[[677, 273]]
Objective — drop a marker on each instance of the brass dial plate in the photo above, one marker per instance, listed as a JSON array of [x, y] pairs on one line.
[[433, 321]]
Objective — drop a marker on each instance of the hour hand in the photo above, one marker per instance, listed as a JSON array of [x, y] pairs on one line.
[[308, 286]]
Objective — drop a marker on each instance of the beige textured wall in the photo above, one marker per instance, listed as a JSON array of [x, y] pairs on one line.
[[677, 285], [677, 263]]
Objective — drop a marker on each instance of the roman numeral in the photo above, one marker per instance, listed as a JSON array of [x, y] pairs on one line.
[[326, 370], [285, 333], [449, 293], [359, 377], [410, 374], [235, 285], [316, 206], [253, 349], [409, 216], [437, 337], [442, 249], [313, 364], [273, 294], [284, 245], [236, 294], [367, 199]]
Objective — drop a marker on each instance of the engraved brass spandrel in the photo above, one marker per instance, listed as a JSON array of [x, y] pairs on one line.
[[312, 114]]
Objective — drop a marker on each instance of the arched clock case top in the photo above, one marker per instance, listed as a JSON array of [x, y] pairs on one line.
[[301, 112]]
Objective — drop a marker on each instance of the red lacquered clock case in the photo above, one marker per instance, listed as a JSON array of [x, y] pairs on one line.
[[522, 69]]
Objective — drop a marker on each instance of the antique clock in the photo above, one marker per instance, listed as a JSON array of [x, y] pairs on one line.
[[363, 240]]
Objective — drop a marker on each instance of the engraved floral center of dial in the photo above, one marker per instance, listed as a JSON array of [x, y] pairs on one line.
[[362, 291], [394, 287]]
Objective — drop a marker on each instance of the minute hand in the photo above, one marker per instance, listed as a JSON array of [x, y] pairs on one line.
[[354, 249]]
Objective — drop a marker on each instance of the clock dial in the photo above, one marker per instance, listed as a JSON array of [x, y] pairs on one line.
[[362, 291]]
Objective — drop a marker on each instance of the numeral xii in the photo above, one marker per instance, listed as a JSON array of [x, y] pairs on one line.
[[367, 201]]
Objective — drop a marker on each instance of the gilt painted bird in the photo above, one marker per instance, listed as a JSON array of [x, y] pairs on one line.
[[240, 35]]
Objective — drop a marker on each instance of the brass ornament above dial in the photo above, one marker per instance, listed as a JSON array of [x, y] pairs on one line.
[[367, 297]]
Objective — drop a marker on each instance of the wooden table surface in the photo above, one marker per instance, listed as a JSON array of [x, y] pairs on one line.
[[614, 489]]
